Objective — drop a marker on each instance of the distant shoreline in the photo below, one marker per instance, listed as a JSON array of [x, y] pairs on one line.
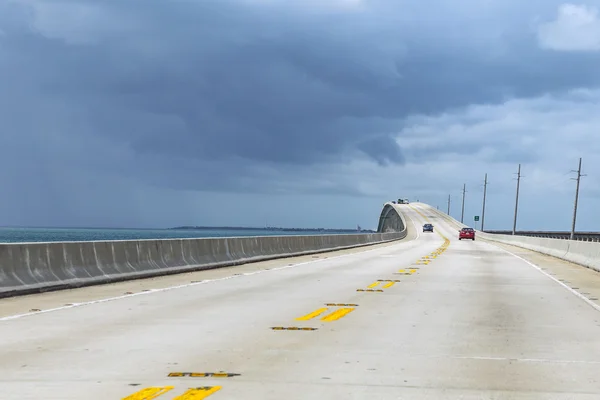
[[270, 228]]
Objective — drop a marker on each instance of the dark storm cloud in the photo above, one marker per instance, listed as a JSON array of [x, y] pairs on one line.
[[166, 91]]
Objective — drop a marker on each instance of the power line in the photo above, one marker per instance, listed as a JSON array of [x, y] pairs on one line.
[[517, 200], [462, 215], [485, 183], [578, 179]]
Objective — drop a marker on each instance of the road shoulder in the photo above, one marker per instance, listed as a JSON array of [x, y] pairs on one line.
[[578, 278]]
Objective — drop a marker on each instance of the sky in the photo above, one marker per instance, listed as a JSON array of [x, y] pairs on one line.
[[296, 113]]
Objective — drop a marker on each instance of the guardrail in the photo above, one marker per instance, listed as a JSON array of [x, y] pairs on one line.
[[580, 236]]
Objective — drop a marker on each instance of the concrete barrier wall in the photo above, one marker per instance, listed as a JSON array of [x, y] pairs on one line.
[[391, 219], [36, 267], [583, 253], [579, 252]]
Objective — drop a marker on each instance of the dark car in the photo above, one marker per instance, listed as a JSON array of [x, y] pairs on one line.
[[427, 228], [466, 233]]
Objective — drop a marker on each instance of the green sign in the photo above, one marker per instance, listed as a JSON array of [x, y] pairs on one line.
[[476, 218]]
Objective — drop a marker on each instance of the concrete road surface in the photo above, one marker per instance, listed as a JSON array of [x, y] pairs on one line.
[[471, 321]]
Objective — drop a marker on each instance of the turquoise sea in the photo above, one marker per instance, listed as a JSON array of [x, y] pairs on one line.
[[15, 235]]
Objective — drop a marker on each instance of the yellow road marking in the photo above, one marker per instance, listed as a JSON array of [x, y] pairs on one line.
[[372, 285], [312, 314], [198, 393], [446, 241], [149, 393], [201, 374], [181, 374], [412, 271], [389, 284], [292, 328], [337, 314]]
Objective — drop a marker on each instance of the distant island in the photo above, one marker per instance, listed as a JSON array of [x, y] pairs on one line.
[[270, 228]]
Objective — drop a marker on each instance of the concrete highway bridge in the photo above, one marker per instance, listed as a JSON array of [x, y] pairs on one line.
[[401, 314]]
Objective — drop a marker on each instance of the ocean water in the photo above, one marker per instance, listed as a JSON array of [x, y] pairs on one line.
[[17, 235]]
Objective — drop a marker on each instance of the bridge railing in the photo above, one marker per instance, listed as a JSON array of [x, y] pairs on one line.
[[580, 236]]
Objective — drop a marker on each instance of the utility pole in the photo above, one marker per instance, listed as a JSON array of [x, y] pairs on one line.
[[517, 201], [485, 182], [448, 204], [462, 215], [578, 179]]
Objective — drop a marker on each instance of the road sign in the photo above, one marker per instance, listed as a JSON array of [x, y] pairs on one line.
[[476, 218]]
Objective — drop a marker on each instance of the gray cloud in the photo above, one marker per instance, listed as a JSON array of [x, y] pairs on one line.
[[576, 28], [258, 97]]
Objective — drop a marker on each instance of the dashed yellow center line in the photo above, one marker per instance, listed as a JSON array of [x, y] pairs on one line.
[[312, 314], [149, 393], [372, 285], [201, 374], [446, 241], [410, 271], [198, 393], [389, 284], [292, 328], [337, 314]]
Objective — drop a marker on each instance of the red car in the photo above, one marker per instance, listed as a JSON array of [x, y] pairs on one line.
[[466, 233]]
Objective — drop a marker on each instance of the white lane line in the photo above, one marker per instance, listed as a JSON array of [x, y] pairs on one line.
[[573, 291], [412, 220], [151, 291]]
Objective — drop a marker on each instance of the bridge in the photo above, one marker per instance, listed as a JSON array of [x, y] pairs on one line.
[[401, 314]]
